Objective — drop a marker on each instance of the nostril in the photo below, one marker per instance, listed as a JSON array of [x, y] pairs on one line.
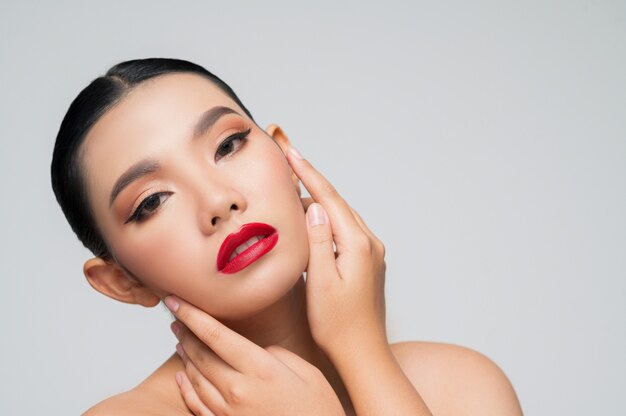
[[213, 220], [234, 207]]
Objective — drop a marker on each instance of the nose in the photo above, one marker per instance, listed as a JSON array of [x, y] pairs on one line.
[[219, 204]]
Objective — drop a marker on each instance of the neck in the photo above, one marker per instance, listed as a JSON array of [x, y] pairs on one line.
[[286, 324]]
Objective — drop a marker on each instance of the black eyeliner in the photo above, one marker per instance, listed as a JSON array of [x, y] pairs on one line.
[[135, 215], [242, 135]]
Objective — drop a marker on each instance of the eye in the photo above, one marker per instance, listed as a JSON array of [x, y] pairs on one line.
[[231, 144], [148, 206]]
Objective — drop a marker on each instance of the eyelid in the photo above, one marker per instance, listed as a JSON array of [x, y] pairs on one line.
[[241, 128], [229, 123], [142, 198], [241, 135]]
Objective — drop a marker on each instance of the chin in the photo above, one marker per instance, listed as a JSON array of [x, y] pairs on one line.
[[261, 285]]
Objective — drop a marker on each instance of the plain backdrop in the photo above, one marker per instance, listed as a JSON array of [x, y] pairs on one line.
[[484, 142]]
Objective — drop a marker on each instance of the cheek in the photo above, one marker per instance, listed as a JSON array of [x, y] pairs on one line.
[[283, 196], [274, 198], [160, 256], [268, 176]]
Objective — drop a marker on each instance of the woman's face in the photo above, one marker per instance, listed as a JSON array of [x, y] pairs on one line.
[[173, 169]]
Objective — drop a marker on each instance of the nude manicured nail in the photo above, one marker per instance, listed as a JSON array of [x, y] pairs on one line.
[[315, 215], [179, 379], [180, 350], [295, 152], [175, 327], [172, 303]]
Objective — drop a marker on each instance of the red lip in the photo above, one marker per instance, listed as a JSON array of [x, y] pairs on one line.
[[269, 239]]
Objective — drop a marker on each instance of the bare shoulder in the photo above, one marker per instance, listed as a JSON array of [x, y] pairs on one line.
[[136, 402], [121, 404], [440, 372], [156, 395]]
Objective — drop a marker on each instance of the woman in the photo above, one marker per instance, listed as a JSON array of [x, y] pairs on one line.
[[164, 175]]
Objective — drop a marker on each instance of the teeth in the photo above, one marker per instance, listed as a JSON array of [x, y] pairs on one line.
[[242, 247]]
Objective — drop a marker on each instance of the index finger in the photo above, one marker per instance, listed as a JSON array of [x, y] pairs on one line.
[[236, 350], [343, 223]]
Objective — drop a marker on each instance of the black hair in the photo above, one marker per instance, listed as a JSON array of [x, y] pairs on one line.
[[92, 103]]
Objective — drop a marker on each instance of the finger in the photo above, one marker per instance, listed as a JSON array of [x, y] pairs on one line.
[[306, 201], [365, 228], [322, 268], [234, 349], [361, 223], [344, 225], [292, 361], [211, 394], [206, 361], [190, 396]]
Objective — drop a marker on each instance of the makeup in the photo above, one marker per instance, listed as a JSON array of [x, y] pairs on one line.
[[241, 249]]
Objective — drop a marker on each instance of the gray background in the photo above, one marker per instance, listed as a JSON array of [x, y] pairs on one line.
[[485, 143]]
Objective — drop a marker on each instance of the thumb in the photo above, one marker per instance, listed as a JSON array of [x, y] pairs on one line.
[[321, 255]]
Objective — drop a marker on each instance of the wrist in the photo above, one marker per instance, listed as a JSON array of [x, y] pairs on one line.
[[355, 346]]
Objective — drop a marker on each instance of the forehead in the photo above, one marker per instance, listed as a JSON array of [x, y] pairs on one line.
[[153, 115], [159, 103]]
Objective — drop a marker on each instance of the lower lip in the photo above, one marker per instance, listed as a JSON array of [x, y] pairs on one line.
[[251, 254]]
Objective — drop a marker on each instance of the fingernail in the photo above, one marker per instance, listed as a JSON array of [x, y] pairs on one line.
[[172, 303], [175, 327], [295, 152], [179, 379], [315, 215], [180, 350]]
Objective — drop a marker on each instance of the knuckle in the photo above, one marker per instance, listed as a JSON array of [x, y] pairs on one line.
[[274, 349], [182, 314], [323, 237], [193, 406], [362, 243], [378, 243], [195, 383], [204, 412], [200, 360], [210, 334], [327, 191], [379, 247], [236, 394], [328, 188], [315, 373]]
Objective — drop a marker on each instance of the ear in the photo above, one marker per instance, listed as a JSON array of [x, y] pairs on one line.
[[283, 142], [110, 280], [279, 137]]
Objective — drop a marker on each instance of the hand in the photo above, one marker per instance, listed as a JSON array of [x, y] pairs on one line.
[[227, 374], [345, 290], [346, 301]]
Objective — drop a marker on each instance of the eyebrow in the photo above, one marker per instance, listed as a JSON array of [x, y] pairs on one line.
[[148, 166], [136, 171], [209, 118]]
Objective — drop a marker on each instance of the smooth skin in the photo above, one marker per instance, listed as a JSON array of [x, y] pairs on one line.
[[265, 341], [345, 307], [226, 374]]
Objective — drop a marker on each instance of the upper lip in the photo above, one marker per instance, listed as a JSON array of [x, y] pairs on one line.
[[232, 241]]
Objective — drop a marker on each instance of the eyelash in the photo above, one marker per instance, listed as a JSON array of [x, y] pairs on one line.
[[138, 216], [242, 135]]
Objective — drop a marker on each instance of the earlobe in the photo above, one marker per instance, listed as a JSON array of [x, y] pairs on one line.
[[109, 279]]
